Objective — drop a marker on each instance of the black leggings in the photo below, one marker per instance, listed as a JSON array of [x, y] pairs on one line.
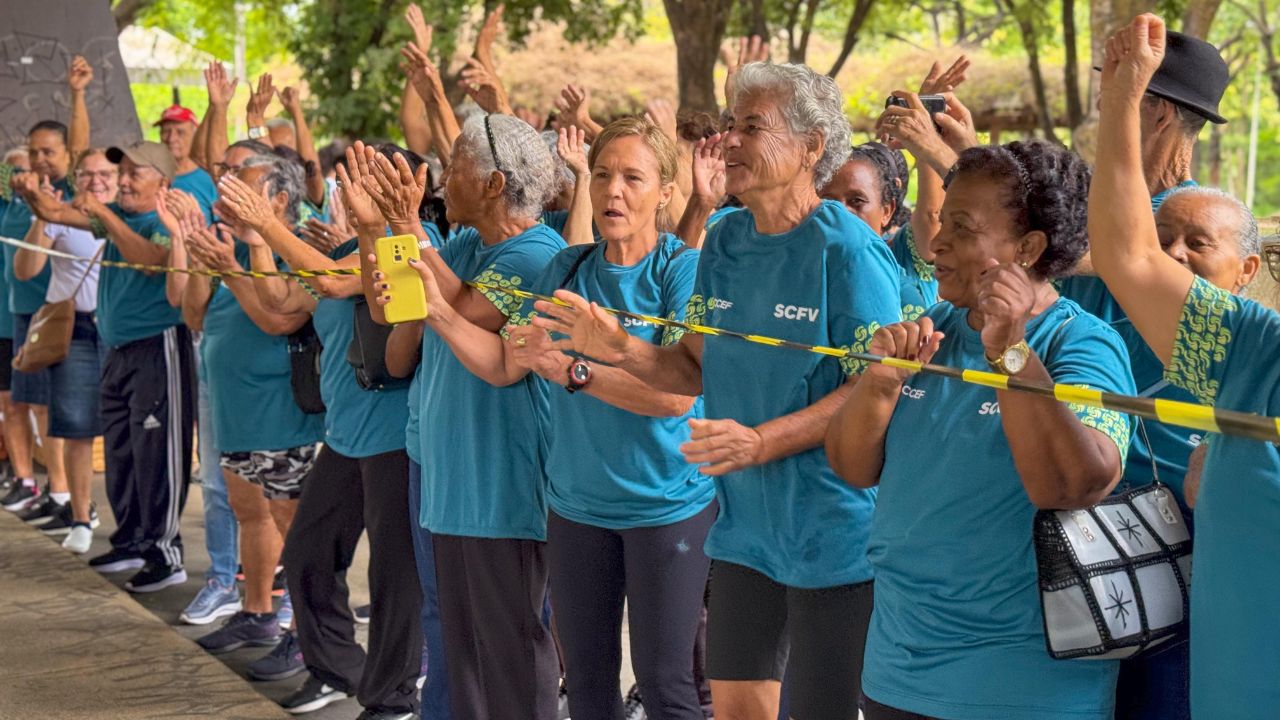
[[341, 497], [662, 574], [872, 710]]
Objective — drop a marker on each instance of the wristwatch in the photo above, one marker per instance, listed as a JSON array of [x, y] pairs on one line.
[[579, 375], [258, 132], [1013, 360]]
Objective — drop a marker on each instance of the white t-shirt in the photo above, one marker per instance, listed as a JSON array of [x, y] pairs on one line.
[[67, 273]]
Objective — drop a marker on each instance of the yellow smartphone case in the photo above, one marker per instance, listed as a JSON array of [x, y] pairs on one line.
[[408, 300]]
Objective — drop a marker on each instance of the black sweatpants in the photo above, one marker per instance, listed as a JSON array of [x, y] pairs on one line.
[[341, 497], [148, 414], [662, 574], [501, 659]]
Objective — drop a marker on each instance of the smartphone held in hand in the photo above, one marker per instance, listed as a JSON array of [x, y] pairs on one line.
[[408, 300]]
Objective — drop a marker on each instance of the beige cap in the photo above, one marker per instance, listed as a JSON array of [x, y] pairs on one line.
[[146, 153]]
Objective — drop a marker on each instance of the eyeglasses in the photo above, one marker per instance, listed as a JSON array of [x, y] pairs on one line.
[[224, 168], [101, 174], [1272, 255], [493, 148]]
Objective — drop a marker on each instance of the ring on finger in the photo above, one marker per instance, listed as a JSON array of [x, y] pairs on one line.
[[521, 341]]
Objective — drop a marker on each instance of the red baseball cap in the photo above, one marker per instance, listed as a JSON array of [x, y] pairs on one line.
[[177, 113]]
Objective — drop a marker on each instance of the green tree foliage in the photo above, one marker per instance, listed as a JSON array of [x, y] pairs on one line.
[[350, 49]]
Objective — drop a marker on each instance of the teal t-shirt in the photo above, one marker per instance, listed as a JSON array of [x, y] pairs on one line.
[[918, 273], [6, 317], [828, 281], [718, 215], [1224, 354], [249, 376], [957, 631], [1091, 293], [131, 304], [643, 481], [200, 185], [483, 454], [25, 297], [358, 423], [1169, 446], [411, 442]]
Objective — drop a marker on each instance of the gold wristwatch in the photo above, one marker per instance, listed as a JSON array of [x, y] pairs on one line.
[[1013, 360]]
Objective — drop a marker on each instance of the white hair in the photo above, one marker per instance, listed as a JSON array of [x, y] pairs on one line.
[[283, 176], [1248, 239], [521, 156], [810, 101], [566, 176]]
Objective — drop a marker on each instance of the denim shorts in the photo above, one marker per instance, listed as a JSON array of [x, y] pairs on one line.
[[75, 384], [29, 388]]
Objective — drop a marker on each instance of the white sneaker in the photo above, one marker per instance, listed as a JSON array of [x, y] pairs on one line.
[[78, 540]]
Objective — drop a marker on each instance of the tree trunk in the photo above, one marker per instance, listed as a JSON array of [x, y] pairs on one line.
[[698, 27], [759, 26], [1198, 17], [1025, 18], [861, 11], [1071, 68], [1105, 17], [806, 31]]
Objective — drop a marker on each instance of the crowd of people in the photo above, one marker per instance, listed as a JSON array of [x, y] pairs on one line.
[[791, 534]]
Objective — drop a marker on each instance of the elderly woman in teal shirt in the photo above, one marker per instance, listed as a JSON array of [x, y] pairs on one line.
[[957, 631], [1221, 349]]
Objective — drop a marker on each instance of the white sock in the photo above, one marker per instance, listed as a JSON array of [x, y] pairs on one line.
[[61, 498], [28, 482]]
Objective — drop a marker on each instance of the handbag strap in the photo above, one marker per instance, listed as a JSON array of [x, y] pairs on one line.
[[89, 268], [1142, 427]]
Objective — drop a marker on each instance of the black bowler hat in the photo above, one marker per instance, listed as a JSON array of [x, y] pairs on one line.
[[1192, 75]]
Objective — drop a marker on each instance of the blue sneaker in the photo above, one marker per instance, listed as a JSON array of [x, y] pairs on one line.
[[214, 601], [284, 615]]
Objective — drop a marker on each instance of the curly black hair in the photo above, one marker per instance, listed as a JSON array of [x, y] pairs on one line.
[[1047, 189], [890, 166]]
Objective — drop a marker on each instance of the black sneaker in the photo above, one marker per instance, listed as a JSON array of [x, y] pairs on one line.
[[313, 695], [385, 714], [361, 614], [284, 661], [241, 629], [62, 523], [41, 511], [117, 560], [155, 576], [19, 496]]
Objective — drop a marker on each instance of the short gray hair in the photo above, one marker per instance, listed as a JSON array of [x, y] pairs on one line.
[[530, 171], [1248, 238], [283, 176], [281, 122], [809, 101]]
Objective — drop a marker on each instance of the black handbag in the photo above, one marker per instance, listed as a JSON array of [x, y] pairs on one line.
[[304, 363], [367, 353]]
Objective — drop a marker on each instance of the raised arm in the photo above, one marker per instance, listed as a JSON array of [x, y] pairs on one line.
[[79, 76], [221, 90], [485, 87], [255, 111], [218, 253], [574, 106], [28, 263], [317, 188], [577, 228], [181, 215], [133, 247], [425, 78], [1125, 250], [708, 188], [253, 209]]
